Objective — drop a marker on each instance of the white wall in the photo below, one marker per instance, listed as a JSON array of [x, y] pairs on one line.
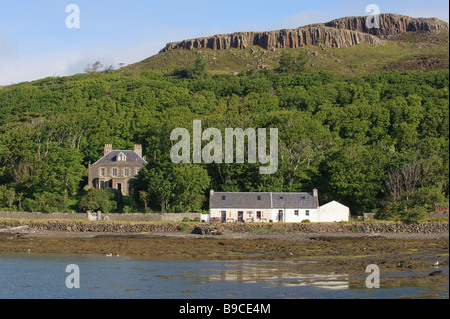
[[266, 215], [289, 215], [333, 212], [249, 213]]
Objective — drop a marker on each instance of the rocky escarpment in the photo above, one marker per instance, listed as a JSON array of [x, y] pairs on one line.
[[391, 25], [338, 33], [291, 38]]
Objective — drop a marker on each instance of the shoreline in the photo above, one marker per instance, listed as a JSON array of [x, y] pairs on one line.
[[346, 247], [344, 252]]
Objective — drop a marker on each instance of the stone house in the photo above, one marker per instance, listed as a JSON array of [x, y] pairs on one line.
[[274, 207], [116, 168]]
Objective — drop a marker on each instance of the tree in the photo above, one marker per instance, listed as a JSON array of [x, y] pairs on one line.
[[94, 68], [143, 196], [199, 70], [291, 64], [191, 182], [402, 183], [99, 199], [10, 195]]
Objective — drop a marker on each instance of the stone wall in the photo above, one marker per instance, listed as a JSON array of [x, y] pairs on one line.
[[139, 227]]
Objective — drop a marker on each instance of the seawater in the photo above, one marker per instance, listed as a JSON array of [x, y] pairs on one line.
[[43, 276]]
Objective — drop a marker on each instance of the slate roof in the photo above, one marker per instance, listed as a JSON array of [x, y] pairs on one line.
[[262, 200], [132, 157]]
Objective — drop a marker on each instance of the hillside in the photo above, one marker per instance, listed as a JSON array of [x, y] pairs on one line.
[[344, 46], [351, 126]]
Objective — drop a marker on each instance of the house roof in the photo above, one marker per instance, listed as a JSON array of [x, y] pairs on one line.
[[262, 200], [131, 156]]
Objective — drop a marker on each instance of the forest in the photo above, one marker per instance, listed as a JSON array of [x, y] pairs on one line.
[[376, 143]]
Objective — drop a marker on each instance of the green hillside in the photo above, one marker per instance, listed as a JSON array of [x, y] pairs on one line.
[[410, 51], [350, 122]]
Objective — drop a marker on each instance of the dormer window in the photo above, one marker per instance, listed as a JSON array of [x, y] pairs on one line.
[[121, 157], [258, 197]]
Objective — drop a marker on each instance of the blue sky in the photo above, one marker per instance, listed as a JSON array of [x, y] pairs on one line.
[[35, 42]]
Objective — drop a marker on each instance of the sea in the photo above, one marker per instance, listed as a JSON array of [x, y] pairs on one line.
[[56, 276]]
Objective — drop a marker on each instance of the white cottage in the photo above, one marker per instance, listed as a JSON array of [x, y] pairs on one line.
[[273, 206]]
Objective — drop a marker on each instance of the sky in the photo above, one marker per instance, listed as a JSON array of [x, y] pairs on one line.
[[40, 39]]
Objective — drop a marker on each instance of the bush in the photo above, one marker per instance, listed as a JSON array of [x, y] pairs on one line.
[[306, 221], [186, 219], [46, 203], [126, 209], [30, 205], [414, 215], [99, 199]]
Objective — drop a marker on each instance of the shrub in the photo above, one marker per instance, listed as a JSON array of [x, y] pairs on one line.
[[99, 199]]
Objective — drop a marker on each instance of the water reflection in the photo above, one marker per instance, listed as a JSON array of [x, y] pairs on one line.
[[278, 274]]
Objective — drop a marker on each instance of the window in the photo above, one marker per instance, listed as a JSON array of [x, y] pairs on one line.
[[137, 170], [114, 172], [303, 197], [258, 197], [223, 197], [121, 157], [296, 212], [281, 197], [307, 213], [249, 214], [126, 172], [102, 172], [258, 214]]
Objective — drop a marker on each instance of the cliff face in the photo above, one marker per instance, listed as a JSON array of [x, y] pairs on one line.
[[391, 25], [292, 38], [337, 33]]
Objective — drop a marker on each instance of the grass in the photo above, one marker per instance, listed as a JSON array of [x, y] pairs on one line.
[[411, 51]]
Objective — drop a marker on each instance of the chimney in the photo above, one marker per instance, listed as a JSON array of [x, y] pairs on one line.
[[138, 149], [211, 192], [108, 148], [316, 196]]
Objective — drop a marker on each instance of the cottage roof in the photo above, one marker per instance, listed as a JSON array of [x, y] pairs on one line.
[[262, 200], [131, 156]]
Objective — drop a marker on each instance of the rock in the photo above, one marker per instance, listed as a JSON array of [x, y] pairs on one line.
[[338, 33], [436, 273], [391, 25], [270, 40]]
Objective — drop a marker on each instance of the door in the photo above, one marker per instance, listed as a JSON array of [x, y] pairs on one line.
[[280, 215], [223, 217], [119, 187], [240, 216]]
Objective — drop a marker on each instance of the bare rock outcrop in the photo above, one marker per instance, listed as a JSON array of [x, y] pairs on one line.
[[287, 38], [338, 33], [391, 25]]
